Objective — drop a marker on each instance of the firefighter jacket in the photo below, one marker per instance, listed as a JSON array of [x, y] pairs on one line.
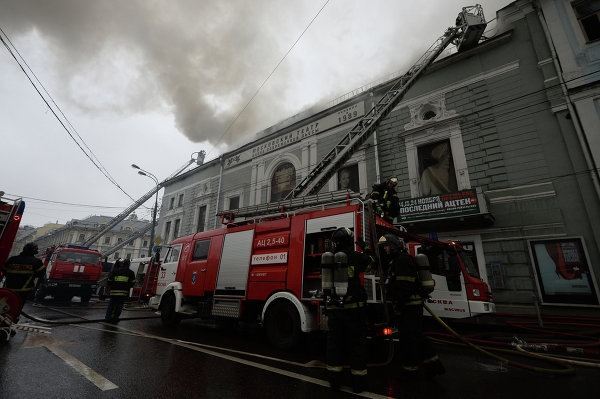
[[355, 294], [387, 198], [120, 282], [21, 271], [402, 280]]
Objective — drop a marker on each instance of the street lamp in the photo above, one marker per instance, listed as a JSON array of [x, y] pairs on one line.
[[151, 176]]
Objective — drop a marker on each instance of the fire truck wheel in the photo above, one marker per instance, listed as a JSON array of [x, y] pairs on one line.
[[168, 316], [85, 298], [282, 324]]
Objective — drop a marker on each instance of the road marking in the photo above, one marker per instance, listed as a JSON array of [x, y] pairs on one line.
[[49, 343], [234, 359]]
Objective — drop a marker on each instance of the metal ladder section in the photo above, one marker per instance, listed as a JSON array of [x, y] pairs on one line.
[[470, 26], [291, 204]]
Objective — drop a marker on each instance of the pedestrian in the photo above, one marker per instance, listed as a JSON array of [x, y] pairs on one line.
[[120, 281], [408, 283], [345, 305], [387, 198], [22, 270]]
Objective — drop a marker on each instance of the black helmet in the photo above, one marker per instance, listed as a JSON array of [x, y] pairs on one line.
[[396, 244], [126, 263], [342, 238], [30, 248]]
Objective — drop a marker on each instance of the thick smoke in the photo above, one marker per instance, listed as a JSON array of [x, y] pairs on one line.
[[202, 60]]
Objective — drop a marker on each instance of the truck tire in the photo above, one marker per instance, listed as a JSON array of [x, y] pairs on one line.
[[168, 316], [85, 298], [282, 324]]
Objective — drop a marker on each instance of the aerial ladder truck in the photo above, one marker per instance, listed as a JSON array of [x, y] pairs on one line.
[[264, 264]]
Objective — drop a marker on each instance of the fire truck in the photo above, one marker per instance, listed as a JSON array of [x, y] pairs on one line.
[[459, 290], [265, 263], [268, 269], [11, 212], [71, 270]]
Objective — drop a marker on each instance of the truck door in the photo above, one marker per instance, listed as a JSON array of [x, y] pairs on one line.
[[449, 299], [196, 271], [168, 270]]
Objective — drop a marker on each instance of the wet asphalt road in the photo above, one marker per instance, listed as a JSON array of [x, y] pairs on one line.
[[151, 367]]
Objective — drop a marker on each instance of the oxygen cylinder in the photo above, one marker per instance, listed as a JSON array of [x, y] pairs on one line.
[[427, 282], [327, 265], [340, 273]]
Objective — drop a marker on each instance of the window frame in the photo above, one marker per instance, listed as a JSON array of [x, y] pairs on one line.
[[581, 26], [194, 258], [414, 140], [197, 217]]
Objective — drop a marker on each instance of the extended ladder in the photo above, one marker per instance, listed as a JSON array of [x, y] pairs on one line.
[[470, 27]]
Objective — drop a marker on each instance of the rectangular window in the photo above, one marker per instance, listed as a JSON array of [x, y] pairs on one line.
[[588, 15], [116, 255], [119, 240], [81, 237], [145, 244], [436, 169], [171, 203], [234, 202], [107, 240], [167, 231], [128, 256], [201, 250], [180, 201], [201, 218], [176, 228], [563, 272]]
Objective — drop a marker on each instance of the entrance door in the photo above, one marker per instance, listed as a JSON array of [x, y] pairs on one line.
[[168, 270]]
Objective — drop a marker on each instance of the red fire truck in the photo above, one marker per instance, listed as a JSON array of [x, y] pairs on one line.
[[71, 270], [268, 269], [459, 291], [11, 212]]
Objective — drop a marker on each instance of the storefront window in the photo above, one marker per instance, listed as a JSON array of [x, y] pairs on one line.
[[436, 169], [283, 181], [563, 273], [348, 178]]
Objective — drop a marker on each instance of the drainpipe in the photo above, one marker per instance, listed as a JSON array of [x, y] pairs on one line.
[[589, 161], [377, 173], [219, 190]]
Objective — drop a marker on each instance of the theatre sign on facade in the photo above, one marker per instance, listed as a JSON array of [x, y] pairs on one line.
[[486, 152]]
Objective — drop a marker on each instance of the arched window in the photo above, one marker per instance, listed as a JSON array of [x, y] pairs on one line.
[[283, 181]]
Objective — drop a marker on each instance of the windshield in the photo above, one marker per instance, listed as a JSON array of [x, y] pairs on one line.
[[78, 257], [470, 262]]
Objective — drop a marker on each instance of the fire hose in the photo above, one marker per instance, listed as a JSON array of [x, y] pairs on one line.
[[565, 364]]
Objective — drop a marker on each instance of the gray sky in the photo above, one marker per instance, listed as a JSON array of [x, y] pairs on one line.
[[150, 82]]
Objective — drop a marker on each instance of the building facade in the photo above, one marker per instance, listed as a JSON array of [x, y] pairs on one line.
[[485, 148], [77, 231]]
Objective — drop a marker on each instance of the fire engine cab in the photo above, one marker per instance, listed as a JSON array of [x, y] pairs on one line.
[[267, 269]]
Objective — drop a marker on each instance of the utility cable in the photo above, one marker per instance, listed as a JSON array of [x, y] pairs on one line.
[[271, 74], [103, 171]]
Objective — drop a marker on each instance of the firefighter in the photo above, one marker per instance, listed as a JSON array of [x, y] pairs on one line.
[[408, 284], [120, 281], [387, 198], [22, 270], [345, 306]]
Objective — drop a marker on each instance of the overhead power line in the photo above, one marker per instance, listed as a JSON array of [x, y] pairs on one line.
[[272, 72], [71, 131], [66, 203]]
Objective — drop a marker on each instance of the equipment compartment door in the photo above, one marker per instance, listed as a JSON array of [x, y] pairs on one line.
[[235, 262]]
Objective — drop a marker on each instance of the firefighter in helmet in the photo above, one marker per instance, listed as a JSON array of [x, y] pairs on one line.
[[120, 281], [345, 305], [387, 198], [22, 270], [408, 283]]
